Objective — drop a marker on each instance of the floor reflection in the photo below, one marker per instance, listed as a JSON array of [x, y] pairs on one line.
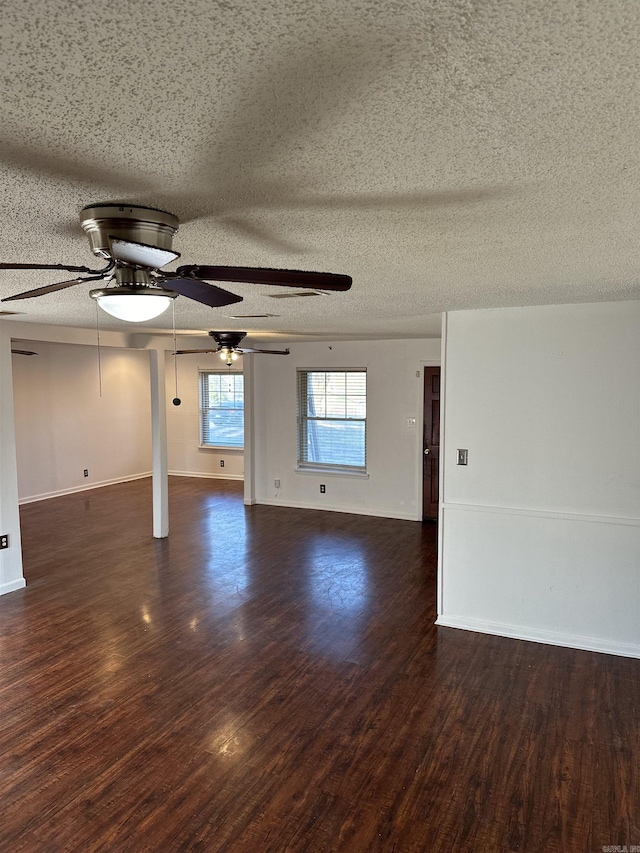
[[337, 578], [337, 574]]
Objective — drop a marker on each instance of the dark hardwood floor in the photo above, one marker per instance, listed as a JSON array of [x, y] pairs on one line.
[[271, 680]]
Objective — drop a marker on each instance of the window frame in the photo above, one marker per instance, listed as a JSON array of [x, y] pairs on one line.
[[206, 372], [304, 466]]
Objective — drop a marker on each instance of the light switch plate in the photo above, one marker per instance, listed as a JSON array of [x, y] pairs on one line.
[[463, 456]]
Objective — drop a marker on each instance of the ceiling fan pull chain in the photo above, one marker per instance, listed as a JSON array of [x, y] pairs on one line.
[[99, 354], [176, 399]]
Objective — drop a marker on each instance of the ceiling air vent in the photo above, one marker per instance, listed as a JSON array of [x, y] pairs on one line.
[[250, 316], [296, 294]]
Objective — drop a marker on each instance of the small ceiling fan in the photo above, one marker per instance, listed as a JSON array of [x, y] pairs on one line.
[[136, 242], [227, 346]]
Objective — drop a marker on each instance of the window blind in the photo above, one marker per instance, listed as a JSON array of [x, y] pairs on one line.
[[332, 417], [221, 409]]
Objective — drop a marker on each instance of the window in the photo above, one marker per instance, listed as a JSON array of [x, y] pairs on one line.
[[332, 419], [221, 409]]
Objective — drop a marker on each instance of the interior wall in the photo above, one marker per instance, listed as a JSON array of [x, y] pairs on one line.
[[541, 530], [186, 457], [64, 426], [11, 575], [393, 487]]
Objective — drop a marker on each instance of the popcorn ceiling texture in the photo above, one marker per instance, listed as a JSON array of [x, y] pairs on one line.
[[446, 154]]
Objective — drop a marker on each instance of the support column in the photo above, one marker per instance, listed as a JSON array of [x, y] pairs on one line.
[[248, 369], [11, 574], [159, 444]]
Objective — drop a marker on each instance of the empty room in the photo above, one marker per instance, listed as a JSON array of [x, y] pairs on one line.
[[320, 427]]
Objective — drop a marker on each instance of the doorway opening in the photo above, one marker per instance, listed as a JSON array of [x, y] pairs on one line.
[[431, 444]]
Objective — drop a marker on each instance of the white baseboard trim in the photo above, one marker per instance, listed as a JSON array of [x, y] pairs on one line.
[[84, 488], [12, 586], [349, 510], [200, 475], [533, 635]]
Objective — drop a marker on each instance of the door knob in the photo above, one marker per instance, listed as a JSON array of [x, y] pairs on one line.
[[426, 451]]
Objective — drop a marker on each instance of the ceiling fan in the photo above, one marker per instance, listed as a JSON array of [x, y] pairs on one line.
[[136, 242], [228, 347]]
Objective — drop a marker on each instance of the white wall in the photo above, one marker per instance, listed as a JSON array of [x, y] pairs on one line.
[[63, 425], [394, 393], [185, 456], [541, 531], [11, 577]]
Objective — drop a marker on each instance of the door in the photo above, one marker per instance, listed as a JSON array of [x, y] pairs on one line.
[[431, 444]]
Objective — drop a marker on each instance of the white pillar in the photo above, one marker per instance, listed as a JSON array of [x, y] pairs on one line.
[[159, 444], [248, 368], [11, 576]]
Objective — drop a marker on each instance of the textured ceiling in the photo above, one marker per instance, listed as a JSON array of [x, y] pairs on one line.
[[446, 154]]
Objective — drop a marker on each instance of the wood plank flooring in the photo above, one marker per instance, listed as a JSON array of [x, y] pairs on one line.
[[270, 680]]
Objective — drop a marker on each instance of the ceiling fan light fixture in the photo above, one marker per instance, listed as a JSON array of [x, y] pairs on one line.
[[133, 304], [229, 355]]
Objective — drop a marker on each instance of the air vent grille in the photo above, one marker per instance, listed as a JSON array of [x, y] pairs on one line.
[[250, 316], [295, 294]]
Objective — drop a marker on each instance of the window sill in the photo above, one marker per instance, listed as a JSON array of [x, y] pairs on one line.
[[334, 472], [220, 447]]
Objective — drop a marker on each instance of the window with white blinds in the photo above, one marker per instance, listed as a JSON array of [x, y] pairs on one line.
[[332, 419], [221, 409]]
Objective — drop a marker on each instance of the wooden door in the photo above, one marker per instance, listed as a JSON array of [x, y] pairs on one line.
[[431, 444]]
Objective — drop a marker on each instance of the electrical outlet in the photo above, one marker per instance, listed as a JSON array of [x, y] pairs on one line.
[[323, 489], [4, 541], [276, 483], [222, 463], [86, 472]]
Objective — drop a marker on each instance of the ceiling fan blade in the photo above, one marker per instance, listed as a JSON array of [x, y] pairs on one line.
[[265, 351], [50, 288], [200, 291], [190, 351], [278, 278], [52, 267]]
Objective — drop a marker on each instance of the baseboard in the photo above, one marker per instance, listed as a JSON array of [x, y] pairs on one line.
[[551, 638], [84, 488], [348, 510], [12, 586], [200, 475]]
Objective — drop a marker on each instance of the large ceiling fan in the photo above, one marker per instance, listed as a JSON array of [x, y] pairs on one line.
[[227, 344], [136, 242]]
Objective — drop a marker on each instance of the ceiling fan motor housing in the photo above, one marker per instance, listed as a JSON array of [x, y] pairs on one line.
[[133, 223], [228, 339]]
